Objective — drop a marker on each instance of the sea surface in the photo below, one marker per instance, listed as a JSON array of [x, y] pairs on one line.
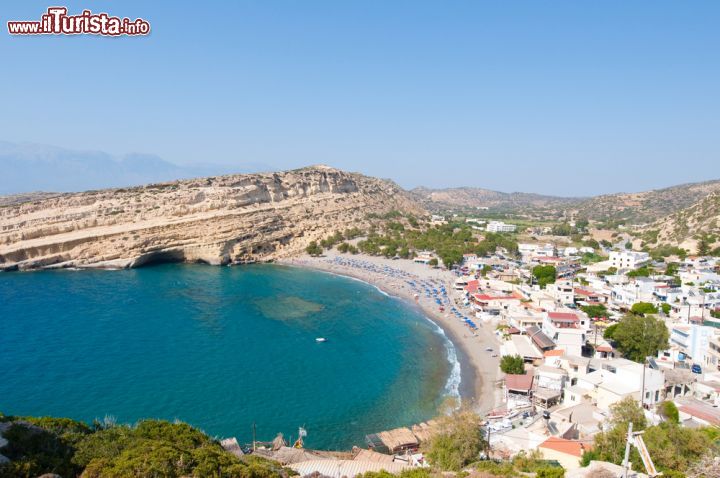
[[220, 348]]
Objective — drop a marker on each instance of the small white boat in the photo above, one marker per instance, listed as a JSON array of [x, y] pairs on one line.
[[321, 339]]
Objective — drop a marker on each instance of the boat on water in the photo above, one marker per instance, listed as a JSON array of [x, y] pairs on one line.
[[321, 339]]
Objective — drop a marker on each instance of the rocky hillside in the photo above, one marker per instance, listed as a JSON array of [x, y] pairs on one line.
[[215, 220], [684, 227], [647, 206]]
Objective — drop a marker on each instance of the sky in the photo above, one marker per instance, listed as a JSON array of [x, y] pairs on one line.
[[558, 97]]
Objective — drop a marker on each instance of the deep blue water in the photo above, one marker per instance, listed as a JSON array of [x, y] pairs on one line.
[[219, 348]]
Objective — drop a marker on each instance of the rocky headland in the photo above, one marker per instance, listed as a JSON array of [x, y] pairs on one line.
[[216, 220]]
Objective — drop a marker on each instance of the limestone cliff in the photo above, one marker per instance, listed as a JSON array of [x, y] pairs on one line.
[[216, 220]]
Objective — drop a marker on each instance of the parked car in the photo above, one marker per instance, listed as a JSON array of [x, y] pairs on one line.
[[696, 368]]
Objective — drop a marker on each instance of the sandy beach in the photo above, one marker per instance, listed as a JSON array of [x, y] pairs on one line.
[[479, 369]]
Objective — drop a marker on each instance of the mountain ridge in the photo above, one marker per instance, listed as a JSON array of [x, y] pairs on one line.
[[635, 207]]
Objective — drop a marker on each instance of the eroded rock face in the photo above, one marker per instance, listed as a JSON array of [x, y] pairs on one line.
[[215, 220]]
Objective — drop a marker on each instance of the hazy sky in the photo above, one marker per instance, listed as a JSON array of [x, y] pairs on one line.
[[559, 97]]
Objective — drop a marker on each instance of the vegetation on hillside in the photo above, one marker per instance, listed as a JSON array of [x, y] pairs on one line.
[[403, 236], [149, 448]]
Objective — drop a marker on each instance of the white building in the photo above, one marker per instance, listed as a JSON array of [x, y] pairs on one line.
[[499, 226], [620, 378], [712, 358], [567, 330], [627, 260], [563, 291], [570, 251], [693, 340], [436, 219]]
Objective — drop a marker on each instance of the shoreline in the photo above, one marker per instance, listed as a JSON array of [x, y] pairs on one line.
[[478, 369]]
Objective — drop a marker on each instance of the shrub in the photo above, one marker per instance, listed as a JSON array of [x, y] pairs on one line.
[[512, 364]]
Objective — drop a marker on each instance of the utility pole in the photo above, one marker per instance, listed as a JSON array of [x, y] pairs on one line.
[[253, 433], [626, 461], [642, 396]]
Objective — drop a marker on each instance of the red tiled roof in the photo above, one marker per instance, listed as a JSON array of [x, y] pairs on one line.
[[584, 291], [472, 286], [604, 348], [703, 413], [554, 353], [491, 297], [563, 316], [519, 382], [563, 446]]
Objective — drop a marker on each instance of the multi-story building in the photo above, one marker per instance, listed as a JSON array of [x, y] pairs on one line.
[[628, 260], [499, 226], [712, 357], [692, 340], [563, 291], [619, 378], [567, 329]]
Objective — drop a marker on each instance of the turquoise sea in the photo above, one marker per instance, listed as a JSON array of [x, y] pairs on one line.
[[220, 348]]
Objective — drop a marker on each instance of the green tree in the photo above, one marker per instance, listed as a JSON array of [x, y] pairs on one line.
[[637, 337], [563, 229], [703, 245], [544, 275], [433, 262], [458, 441], [670, 411], [628, 245], [643, 271], [643, 308], [594, 311], [582, 223], [314, 249], [665, 308], [513, 364], [591, 243], [610, 331]]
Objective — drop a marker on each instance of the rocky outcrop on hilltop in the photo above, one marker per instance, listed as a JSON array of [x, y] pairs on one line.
[[215, 220]]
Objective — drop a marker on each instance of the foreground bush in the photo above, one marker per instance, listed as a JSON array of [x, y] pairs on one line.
[[457, 443], [152, 448]]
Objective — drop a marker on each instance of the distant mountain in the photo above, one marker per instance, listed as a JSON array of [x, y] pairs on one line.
[[34, 167], [637, 208], [495, 201]]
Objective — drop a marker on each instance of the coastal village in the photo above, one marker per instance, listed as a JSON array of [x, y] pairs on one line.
[[537, 324]]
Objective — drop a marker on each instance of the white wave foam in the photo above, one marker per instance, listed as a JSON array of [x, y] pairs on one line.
[[452, 386]]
